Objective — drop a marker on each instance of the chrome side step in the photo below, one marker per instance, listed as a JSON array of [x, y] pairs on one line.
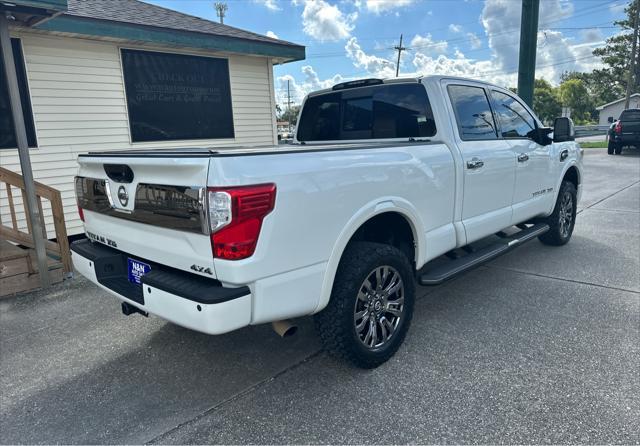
[[441, 273]]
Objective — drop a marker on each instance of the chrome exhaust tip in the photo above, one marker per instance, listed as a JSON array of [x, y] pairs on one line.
[[284, 328]]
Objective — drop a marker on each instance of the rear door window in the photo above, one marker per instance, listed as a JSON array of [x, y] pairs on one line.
[[473, 113], [515, 120], [379, 112]]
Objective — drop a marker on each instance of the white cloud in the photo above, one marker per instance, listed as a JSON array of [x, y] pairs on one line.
[[591, 35], [426, 44], [556, 53], [272, 35], [378, 6], [458, 66], [269, 4], [455, 28], [474, 41], [298, 91], [378, 66], [326, 22]]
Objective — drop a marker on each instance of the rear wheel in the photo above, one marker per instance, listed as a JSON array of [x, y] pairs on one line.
[[563, 219], [371, 305]]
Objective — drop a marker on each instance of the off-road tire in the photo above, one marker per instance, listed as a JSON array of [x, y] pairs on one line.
[[335, 323], [556, 236]]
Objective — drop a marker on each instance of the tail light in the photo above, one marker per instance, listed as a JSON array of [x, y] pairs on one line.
[[81, 213], [618, 127], [235, 218]]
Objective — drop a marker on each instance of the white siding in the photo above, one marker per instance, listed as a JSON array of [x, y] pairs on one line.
[[614, 110], [79, 105]]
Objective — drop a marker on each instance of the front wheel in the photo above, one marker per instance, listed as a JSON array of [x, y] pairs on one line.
[[371, 305], [563, 219]]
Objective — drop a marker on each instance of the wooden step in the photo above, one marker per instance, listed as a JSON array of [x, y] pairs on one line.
[[19, 269]]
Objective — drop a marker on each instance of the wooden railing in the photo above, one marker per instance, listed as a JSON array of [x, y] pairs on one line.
[[13, 183]]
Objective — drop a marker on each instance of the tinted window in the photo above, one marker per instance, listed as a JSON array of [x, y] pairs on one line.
[[630, 115], [384, 111], [358, 114], [473, 114], [173, 96], [515, 120], [7, 130]]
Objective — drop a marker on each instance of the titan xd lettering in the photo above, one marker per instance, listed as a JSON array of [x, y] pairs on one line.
[[101, 239], [543, 191]]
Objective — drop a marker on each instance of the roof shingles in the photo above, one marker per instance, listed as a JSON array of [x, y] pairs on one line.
[[141, 13]]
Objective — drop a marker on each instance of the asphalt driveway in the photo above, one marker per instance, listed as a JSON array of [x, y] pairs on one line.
[[540, 346]]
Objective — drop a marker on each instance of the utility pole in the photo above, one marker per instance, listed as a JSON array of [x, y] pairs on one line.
[[33, 211], [528, 45], [221, 9], [631, 81], [289, 104], [400, 49]]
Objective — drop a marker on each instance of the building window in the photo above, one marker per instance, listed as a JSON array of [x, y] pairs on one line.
[[7, 127], [177, 97]]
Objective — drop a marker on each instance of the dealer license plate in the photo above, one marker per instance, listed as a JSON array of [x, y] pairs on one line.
[[137, 269]]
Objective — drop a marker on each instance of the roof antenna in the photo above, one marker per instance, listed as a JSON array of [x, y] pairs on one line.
[[221, 9]]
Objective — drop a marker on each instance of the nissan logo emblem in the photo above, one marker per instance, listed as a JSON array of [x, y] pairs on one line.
[[123, 196]]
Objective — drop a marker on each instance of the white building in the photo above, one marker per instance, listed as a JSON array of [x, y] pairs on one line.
[[613, 109], [124, 74]]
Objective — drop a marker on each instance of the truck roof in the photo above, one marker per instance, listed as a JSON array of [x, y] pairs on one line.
[[394, 80]]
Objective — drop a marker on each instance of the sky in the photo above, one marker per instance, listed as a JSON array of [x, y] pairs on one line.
[[351, 39]]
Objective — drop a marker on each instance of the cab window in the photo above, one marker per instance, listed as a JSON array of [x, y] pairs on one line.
[[378, 112], [515, 120], [473, 113]]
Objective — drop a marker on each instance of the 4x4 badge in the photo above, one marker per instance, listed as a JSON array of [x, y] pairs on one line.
[[201, 269]]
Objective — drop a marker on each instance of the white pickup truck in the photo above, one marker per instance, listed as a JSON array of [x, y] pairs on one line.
[[389, 184]]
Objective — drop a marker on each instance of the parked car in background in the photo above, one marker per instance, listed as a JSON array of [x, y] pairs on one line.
[[624, 132], [388, 184]]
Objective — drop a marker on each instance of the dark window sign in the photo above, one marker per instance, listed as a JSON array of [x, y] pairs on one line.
[[177, 97], [7, 127]]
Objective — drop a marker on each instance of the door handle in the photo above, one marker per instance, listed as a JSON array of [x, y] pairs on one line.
[[523, 157], [564, 155], [475, 163]]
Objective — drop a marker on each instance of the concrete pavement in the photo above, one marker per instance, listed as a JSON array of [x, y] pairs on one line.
[[539, 346]]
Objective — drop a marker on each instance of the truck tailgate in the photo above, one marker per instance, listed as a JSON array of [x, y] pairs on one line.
[[150, 207]]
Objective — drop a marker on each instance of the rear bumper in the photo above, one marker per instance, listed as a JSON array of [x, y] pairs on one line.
[[185, 299], [629, 138]]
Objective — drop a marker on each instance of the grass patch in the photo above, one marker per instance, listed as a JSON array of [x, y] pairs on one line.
[[594, 145]]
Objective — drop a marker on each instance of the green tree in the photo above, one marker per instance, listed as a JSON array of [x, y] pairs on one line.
[[574, 94], [546, 102], [290, 114], [616, 55]]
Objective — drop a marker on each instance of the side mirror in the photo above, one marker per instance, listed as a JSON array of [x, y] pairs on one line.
[[563, 130], [540, 135], [610, 119]]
